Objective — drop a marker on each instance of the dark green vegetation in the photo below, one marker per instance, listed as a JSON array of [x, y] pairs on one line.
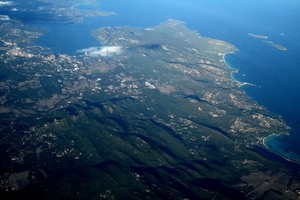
[[161, 120]]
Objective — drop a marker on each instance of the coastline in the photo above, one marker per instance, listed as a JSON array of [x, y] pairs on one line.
[[286, 157], [264, 145], [234, 70]]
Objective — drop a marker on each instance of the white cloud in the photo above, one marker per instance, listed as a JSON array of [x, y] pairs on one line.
[[102, 51], [6, 3], [14, 9], [4, 18]]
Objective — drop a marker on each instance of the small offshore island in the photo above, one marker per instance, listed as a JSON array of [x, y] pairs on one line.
[[153, 113], [277, 46], [280, 47], [258, 36]]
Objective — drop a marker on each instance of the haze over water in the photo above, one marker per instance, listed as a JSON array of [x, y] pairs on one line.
[[275, 73]]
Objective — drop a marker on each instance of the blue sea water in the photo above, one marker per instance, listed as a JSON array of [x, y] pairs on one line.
[[275, 73]]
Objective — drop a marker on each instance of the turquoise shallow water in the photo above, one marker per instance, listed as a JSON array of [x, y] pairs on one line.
[[274, 72]]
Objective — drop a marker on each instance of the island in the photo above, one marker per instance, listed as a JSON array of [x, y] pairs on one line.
[[152, 114], [258, 36], [280, 47], [277, 46]]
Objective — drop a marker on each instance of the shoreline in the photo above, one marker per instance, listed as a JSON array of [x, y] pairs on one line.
[[240, 84], [276, 153], [234, 70]]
